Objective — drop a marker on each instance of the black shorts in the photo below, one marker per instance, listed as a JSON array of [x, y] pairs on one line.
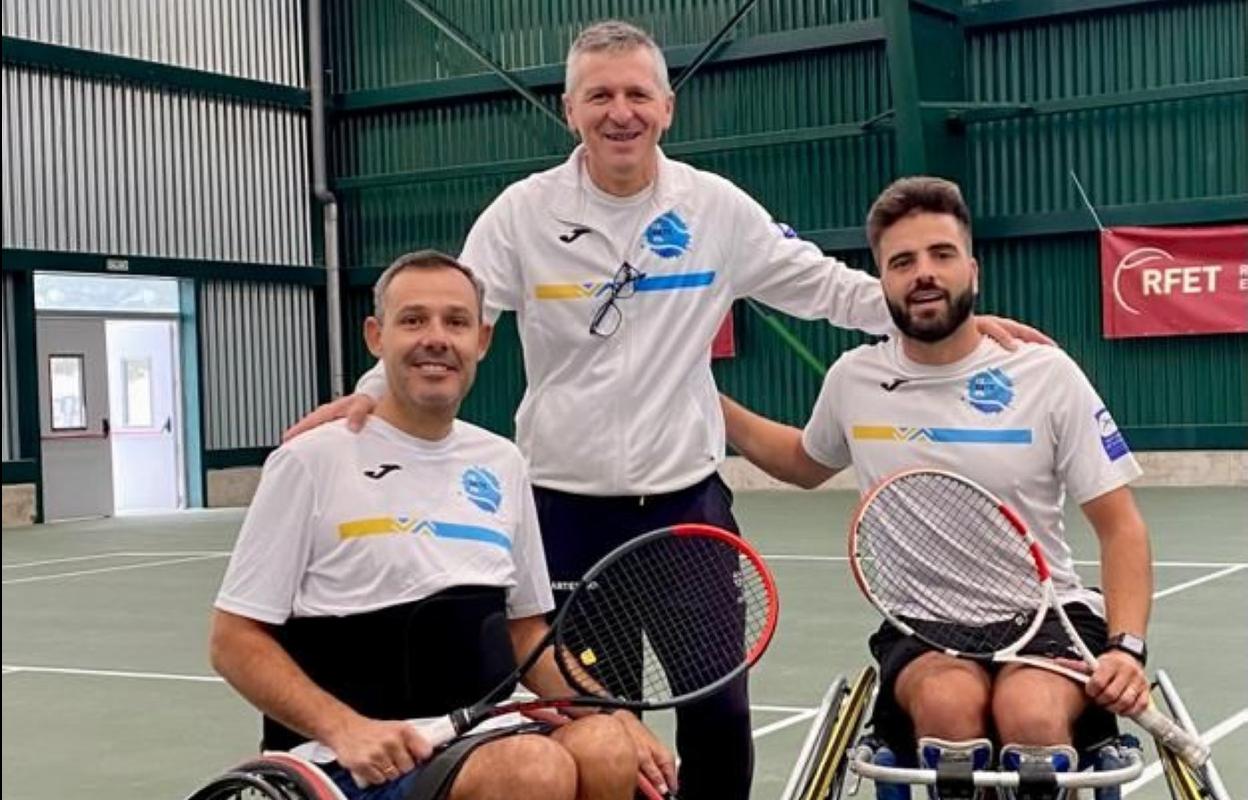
[[894, 651]]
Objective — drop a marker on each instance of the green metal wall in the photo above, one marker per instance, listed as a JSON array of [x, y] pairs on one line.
[[1144, 101]]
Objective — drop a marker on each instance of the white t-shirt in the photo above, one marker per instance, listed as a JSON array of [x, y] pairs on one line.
[[1026, 425], [344, 524]]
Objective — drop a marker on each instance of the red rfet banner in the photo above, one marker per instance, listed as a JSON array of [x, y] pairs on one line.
[[725, 345], [1174, 281]]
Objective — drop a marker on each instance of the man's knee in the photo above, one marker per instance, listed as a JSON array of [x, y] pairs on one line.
[[601, 747], [1036, 707], [519, 768], [944, 697]]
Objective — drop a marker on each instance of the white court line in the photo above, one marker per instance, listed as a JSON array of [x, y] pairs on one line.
[[1210, 737], [10, 669], [1180, 564], [122, 554], [55, 576], [783, 709], [784, 723], [1213, 576]]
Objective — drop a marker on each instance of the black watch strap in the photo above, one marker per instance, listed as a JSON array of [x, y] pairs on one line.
[[1130, 644]]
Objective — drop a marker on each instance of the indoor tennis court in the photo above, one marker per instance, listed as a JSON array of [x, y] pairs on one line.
[[107, 691]]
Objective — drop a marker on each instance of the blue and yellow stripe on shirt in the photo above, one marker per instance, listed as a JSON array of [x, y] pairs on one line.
[[892, 433], [650, 283], [438, 529]]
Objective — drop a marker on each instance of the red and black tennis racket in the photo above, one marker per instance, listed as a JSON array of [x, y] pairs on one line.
[[947, 562], [666, 619]]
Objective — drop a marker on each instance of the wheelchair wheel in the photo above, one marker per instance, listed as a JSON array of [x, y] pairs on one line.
[[823, 768], [272, 777]]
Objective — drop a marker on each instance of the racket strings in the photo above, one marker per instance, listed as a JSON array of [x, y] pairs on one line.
[[941, 556], [667, 618]]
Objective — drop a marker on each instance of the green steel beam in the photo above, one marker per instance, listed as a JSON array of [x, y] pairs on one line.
[[986, 112], [716, 43], [240, 457], [464, 41], [26, 373], [1197, 211], [526, 166], [1200, 211], [24, 470], [1187, 437], [550, 76], [42, 55], [193, 425], [1012, 12], [320, 327], [16, 260], [925, 64]]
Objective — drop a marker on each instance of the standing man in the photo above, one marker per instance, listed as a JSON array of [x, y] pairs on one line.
[[620, 265], [1027, 426], [398, 574]]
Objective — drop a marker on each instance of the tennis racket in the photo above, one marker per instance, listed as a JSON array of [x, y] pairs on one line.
[[666, 619], [944, 560]]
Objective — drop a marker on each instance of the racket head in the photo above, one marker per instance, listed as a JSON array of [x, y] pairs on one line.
[[669, 617], [943, 559]]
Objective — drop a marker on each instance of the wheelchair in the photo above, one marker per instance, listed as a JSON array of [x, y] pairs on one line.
[[835, 757]]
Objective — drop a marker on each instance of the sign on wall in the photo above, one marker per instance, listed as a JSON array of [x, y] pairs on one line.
[[1174, 281]]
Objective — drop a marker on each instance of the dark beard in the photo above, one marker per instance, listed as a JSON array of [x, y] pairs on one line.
[[934, 330]]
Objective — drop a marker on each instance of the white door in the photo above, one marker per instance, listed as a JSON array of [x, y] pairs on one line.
[[143, 396], [73, 417]]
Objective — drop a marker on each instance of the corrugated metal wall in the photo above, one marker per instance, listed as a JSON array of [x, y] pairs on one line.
[[8, 379], [258, 361], [378, 43], [261, 41], [106, 167], [417, 175], [1134, 154]]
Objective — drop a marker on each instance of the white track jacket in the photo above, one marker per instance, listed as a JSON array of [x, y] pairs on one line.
[[637, 412]]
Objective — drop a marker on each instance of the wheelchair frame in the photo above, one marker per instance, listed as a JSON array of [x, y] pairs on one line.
[[829, 753]]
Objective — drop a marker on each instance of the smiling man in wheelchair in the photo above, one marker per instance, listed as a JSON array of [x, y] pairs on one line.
[[1026, 424]]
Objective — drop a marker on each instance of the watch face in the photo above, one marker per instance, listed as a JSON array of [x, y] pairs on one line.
[[1131, 644]]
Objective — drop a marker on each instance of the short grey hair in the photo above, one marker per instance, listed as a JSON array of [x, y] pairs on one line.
[[614, 36], [424, 259]]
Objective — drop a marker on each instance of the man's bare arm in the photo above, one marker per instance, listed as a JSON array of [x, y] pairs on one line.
[[1127, 580], [771, 446]]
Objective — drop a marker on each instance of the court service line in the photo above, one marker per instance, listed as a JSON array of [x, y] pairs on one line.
[[10, 669], [1210, 737], [57, 575], [1177, 564], [121, 554], [1213, 576], [784, 723]]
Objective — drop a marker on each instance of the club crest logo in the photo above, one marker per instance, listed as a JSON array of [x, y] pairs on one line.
[[668, 236], [1112, 440], [482, 488], [990, 391]]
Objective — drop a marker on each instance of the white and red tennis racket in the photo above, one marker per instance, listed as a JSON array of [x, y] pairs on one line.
[[947, 562]]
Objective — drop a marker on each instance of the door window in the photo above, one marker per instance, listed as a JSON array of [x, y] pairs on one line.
[[69, 393]]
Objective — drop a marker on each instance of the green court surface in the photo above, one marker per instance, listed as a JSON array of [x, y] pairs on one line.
[[108, 693]]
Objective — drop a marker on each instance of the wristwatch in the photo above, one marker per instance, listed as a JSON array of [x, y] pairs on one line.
[[1131, 644]]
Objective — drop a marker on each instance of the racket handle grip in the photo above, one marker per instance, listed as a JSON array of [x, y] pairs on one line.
[[1173, 737], [437, 732]]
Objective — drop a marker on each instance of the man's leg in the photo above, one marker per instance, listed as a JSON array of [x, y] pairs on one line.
[[713, 736], [523, 767], [1036, 707], [606, 760], [945, 697]]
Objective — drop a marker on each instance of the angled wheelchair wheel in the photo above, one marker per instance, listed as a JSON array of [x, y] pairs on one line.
[[1186, 783], [824, 759], [275, 776]]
